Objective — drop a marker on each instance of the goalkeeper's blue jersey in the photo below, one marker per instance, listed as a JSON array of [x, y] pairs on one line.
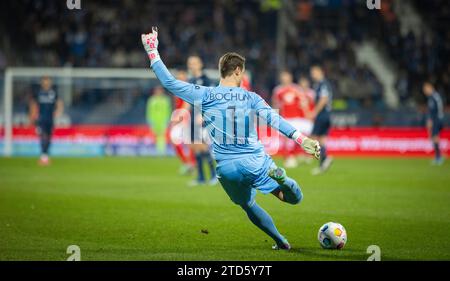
[[230, 114]]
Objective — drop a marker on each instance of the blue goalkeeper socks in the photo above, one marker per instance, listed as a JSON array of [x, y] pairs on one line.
[[263, 221], [292, 193]]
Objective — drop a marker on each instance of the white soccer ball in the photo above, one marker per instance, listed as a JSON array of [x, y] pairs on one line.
[[332, 236]]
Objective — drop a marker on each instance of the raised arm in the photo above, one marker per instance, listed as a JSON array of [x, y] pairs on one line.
[[188, 92]]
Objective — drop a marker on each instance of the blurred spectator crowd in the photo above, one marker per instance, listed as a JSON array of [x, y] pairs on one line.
[[421, 57], [107, 34]]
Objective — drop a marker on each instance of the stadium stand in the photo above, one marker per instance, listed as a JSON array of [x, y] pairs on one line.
[[326, 30]]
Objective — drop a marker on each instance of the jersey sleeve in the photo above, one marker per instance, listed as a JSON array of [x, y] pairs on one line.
[[273, 119], [324, 91], [188, 92], [429, 106]]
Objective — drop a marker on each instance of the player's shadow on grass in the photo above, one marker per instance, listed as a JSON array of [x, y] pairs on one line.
[[345, 254]]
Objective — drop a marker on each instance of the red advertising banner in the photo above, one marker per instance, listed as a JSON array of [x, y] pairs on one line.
[[384, 142], [344, 142]]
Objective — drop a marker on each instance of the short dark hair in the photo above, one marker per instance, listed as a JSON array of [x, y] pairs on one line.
[[229, 62], [318, 66], [429, 80], [195, 56]]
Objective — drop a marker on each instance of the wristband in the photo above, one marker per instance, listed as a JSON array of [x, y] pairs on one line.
[[154, 57], [298, 137]]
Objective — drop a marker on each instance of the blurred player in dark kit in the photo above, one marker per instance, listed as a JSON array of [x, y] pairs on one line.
[[199, 137], [321, 116], [435, 119], [45, 107]]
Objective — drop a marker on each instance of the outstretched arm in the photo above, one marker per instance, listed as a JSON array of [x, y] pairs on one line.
[[188, 92], [279, 123]]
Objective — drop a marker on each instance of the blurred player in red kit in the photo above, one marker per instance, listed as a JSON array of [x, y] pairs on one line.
[[294, 104], [307, 96], [246, 83], [179, 131]]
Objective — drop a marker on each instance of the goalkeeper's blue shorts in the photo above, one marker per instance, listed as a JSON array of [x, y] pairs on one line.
[[241, 177]]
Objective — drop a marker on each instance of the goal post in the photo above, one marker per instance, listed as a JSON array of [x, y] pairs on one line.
[[69, 74]]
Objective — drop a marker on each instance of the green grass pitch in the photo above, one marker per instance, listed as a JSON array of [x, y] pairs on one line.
[[141, 209]]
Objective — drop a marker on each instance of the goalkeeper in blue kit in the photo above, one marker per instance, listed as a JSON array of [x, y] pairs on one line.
[[230, 114]]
